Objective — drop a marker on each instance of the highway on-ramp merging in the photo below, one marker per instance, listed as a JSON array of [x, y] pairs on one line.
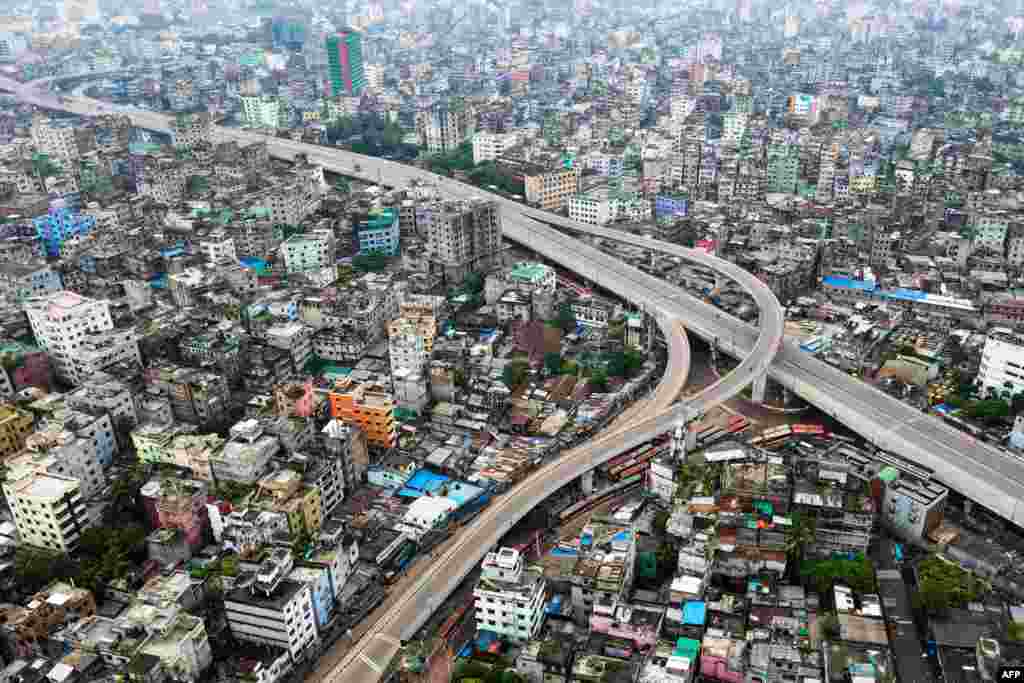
[[667, 305], [984, 473]]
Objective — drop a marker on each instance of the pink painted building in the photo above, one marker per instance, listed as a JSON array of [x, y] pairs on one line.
[[722, 659], [25, 366], [638, 624], [294, 399], [172, 503]]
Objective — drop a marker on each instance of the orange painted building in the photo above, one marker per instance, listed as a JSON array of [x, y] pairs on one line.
[[372, 409]]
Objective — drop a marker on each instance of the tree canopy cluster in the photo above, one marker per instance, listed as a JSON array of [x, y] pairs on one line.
[[515, 373], [858, 573], [373, 262], [942, 585], [483, 174], [370, 134], [106, 555]]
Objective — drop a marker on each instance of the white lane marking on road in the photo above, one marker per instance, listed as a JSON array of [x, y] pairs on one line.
[[372, 664]]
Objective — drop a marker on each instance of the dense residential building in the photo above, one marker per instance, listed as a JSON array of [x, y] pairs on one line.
[[62, 228], [274, 610], [441, 130], [19, 281], [509, 598], [48, 509], [464, 237], [377, 232], [79, 334], [369, 408], [15, 427], [1002, 362], [865, 166]]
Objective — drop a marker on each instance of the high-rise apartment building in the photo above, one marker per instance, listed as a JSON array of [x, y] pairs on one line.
[[79, 334], [509, 597], [345, 63], [442, 129], [48, 509], [465, 237], [262, 111], [1002, 361]]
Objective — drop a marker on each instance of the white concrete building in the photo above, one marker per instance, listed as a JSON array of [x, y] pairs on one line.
[[490, 146], [442, 130], [48, 509], [426, 514], [1002, 361], [261, 111], [246, 456], [307, 252], [58, 143], [219, 248], [408, 347], [592, 208], [282, 617], [509, 598], [76, 332]]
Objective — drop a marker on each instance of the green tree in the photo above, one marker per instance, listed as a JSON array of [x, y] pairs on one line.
[[942, 585], [801, 536], [566, 319], [473, 283], [515, 373], [599, 380], [633, 360], [197, 184], [617, 364], [33, 569], [44, 167], [372, 262], [828, 624], [553, 362], [342, 186]]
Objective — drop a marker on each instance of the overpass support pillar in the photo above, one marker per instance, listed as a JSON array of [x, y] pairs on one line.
[[691, 439], [587, 482], [678, 447], [757, 391]]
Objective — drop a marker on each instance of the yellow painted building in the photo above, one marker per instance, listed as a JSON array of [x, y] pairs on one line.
[[15, 427], [283, 491]]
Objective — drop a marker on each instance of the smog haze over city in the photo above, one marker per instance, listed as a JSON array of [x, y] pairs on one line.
[[511, 342]]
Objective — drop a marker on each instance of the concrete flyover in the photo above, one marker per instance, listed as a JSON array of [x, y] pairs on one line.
[[369, 657], [980, 471]]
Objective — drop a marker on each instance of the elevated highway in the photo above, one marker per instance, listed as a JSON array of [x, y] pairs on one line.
[[668, 306], [980, 471]]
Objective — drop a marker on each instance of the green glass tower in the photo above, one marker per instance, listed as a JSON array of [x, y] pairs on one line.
[[345, 63]]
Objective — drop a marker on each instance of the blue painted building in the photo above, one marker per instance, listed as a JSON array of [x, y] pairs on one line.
[[19, 281], [671, 206], [60, 225], [319, 581], [467, 498], [377, 233]]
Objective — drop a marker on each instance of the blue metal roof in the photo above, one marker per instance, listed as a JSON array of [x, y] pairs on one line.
[[906, 295], [847, 283]]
